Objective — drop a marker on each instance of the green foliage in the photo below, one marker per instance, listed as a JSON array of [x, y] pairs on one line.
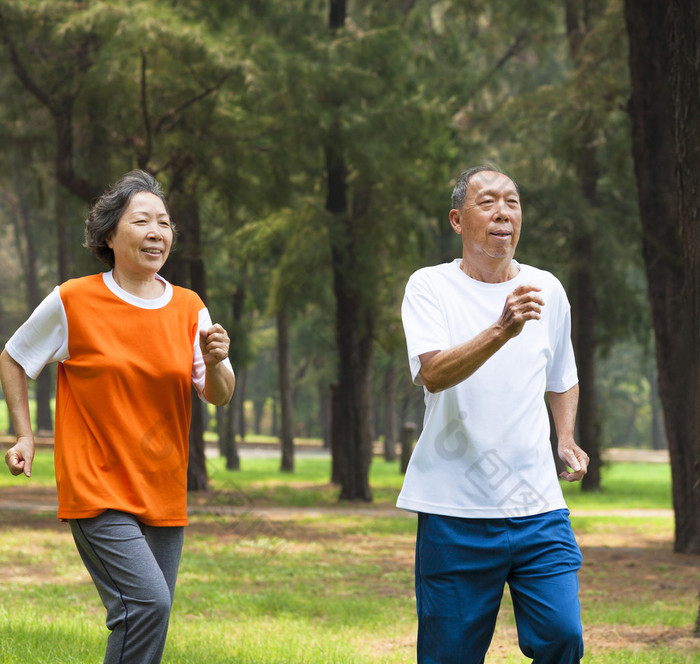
[[233, 103]]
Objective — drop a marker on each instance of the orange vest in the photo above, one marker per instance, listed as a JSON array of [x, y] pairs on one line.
[[123, 405]]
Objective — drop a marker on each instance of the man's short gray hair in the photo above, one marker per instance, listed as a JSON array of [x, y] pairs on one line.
[[459, 193]]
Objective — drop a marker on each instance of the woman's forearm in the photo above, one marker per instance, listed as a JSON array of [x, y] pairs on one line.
[[219, 383], [14, 387]]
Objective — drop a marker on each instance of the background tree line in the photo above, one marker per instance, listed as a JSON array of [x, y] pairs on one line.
[[308, 148]]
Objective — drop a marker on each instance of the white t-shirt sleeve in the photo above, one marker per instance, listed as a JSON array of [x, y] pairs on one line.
[[43, 338], [198, 366], [423, 322], [562, 374]]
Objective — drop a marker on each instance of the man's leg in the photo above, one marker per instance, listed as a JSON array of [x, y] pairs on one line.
[[461, 568], [544, 587], [130, 582]]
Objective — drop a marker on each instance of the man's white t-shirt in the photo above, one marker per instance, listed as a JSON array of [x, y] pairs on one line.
[[484, 451]]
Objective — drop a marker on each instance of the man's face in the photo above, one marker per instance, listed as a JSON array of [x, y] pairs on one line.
[[491, 218]]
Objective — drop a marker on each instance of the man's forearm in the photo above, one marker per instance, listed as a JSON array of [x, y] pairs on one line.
[[443, 369], [564, 406]]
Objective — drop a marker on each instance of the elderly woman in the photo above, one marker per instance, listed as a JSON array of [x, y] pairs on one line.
[[128, 345]]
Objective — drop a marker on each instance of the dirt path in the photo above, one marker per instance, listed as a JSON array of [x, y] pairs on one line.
[[42, 500]]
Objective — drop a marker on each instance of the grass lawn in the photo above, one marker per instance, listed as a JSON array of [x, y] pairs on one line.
[[334, 584]]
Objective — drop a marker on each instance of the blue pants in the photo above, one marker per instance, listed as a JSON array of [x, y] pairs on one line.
[[462, 566], [134, 568]]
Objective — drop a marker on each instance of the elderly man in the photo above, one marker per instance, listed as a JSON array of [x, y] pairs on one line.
[[487, 337]]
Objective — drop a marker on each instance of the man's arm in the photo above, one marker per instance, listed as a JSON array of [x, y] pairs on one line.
[[564, 406], [20, 457], [441, 369]]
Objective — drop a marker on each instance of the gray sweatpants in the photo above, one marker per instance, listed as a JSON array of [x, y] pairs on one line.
[[134, 568]]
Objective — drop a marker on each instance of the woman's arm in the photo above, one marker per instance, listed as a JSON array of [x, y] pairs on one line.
[[19, 458], [219, 381]]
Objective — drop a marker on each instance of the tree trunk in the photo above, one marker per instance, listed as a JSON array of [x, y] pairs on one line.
[[390, 420], [685, 23], [26, 248], [324, 413], [230, 446], [197, 479], [285, 387], [583, 338], [65, 248], [186, 268], [352, 421], [664, 70], [585, 305], [658, 429], [354, 319], [241, 386], [352, 403]]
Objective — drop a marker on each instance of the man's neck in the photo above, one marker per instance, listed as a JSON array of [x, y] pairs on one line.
[[491, 273]]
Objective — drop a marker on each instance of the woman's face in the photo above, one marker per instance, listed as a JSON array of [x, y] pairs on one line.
[[143, 237]]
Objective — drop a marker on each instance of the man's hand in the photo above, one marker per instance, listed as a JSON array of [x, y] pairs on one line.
[[575, 458], [20, 457], [522, 305]]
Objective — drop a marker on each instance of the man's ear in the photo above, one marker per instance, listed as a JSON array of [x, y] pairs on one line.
[[456, 221]]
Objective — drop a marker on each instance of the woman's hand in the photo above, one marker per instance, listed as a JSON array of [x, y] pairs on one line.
[[214, 344], [20, 456]]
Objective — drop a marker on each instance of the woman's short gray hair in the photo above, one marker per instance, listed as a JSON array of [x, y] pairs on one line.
[[107, 211]]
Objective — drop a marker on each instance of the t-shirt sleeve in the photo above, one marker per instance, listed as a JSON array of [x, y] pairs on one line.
[[561, 371], [198, 366], [423, 322], [43, 338]]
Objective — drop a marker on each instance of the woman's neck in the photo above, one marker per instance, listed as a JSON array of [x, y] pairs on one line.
[[144, 287]]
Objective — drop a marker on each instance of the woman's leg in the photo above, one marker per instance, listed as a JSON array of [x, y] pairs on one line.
[[166, 545], [130, 577]]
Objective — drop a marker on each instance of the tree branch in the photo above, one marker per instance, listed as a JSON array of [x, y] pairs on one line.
[[166, 121], [20, 69]]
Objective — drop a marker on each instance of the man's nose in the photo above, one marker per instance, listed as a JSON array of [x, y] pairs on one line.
[[501, 210]]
